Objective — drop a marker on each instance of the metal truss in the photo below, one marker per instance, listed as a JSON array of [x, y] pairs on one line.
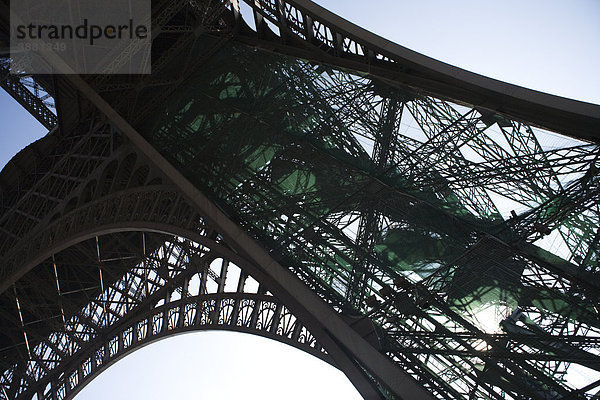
[[423, 228], [109, 253], [159, 270], [180, 286], [307, 178], [30, 94], [306, 30]]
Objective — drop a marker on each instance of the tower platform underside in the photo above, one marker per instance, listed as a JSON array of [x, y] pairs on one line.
[[430, 232]]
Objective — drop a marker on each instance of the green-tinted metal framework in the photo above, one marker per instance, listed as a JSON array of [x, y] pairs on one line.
[[464, 238], [390, 203]]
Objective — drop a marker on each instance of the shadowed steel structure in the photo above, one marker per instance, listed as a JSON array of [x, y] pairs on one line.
[[430, 232]]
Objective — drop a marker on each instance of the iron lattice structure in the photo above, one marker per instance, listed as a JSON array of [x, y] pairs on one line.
[[430, 232]]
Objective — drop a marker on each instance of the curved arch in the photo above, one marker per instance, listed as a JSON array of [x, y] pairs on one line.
[[207, 363], [157, 206], [341, 332], [156, 209], [168, 309], [347, 45], [185, 315], [164, 209]]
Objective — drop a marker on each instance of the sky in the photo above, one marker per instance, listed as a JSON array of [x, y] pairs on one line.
[[547, 45]]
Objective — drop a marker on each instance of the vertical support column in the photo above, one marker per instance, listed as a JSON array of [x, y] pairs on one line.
[[121, 342], [239, 289], [223, 276], [53, 390], [338, 41], [106, 355], [308, 28], [79, 374], [235, 8], [276, 318], [184, 294], [259, 20], [203, 278], [135, 333], [255, 311], [280, 12]]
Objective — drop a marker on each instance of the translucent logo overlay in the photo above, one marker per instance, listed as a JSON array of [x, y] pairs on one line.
[[80, 36]]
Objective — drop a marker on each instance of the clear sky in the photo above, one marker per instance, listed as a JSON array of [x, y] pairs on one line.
[[547, 45]]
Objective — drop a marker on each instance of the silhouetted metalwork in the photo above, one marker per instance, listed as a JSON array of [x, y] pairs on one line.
[[430, 232]]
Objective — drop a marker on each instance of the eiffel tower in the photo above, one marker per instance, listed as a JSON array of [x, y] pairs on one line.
[[306, 181]]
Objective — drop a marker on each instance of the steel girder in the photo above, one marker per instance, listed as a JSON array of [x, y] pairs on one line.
[[290, 149], [122, 220], [306, 30], [385, 198], [30, 94], [181, 286]]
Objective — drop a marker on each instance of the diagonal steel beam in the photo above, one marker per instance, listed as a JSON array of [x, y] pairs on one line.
[[288, 287]]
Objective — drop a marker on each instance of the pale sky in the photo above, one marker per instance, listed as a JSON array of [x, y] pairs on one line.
[[547, 45]]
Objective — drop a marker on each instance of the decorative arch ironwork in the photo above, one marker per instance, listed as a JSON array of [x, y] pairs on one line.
[[385, 242], [209, 293]]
